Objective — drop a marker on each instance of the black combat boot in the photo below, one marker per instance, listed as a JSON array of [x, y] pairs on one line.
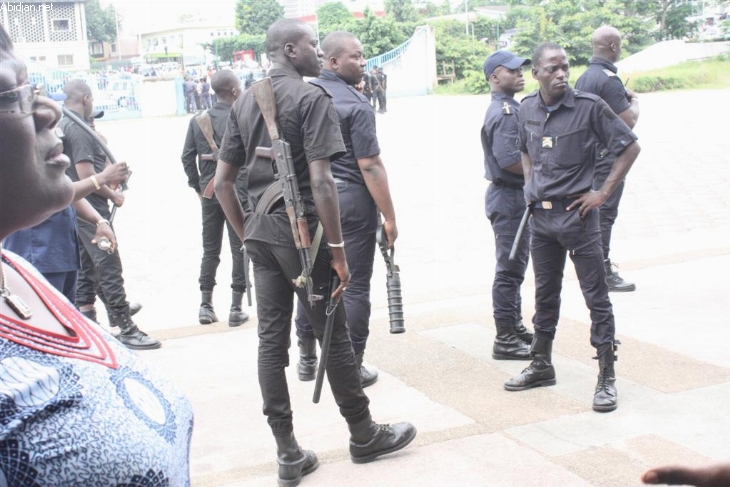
[[307, 359], [131, 336], [369, 440], [523, 333], [616, 282], [134, 308], [368, 376], [606, 397], [540, 372], [507, 346], [294, 463], [90, 314], [237, 317], [206, 315]]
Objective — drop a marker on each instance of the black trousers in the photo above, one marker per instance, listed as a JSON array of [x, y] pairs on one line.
[[359, 217], [274, 269], [556, 232], [101, 273], [213, 222], [504, 207], [609, 209]]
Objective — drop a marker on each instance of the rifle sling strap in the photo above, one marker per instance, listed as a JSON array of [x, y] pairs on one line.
[[206, 127], [271, 196]]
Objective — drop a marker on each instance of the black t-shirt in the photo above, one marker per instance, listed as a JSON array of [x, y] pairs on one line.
[[357, 124], [80, 147], [308, 122]]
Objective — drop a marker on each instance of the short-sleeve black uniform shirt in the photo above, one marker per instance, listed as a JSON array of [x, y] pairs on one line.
[[600, 79], [307, 121], [79, 146], [357, 124], [500, 140], [562, 142]]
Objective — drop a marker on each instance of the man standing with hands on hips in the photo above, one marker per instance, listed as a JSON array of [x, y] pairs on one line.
[[505, 202], [559, 129]]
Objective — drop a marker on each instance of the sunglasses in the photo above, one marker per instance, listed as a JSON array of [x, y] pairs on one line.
[[24, 96]]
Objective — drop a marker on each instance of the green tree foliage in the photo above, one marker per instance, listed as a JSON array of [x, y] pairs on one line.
[[433, 9], [100, 22], [332, 17], [675, 22], [401, 10], [225, 46], [571, 23], [380, 35], [452, 44], [255, 16]]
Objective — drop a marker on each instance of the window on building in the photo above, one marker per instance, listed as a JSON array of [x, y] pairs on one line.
[[114, 47], [61, 25], [65, 59]]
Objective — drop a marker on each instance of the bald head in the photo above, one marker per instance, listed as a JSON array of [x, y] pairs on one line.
[[76, 90], [607, 43], [336, 43], [283, 32]]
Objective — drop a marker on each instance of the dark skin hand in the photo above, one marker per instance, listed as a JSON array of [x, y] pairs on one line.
[[587, 202], [709, 476]]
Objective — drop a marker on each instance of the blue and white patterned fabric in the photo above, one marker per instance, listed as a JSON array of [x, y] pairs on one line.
[[68, 422]]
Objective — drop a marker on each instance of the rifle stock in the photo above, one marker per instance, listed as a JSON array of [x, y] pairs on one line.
[[263, 92], [285, 173]]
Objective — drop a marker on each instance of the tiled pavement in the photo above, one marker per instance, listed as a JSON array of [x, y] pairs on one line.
[[674, 367]]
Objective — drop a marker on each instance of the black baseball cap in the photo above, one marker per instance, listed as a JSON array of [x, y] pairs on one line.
[[503, 58]]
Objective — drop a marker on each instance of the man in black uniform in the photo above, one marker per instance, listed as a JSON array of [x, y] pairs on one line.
[[505, 202], [227, 87], [86, 161], [362, 185], [308, 122], [383, 81], [559, 129], [600, 78]]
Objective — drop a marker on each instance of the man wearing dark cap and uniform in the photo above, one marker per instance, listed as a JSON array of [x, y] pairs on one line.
[[559, 128], [505, 202], [601, 79], [309, 123]]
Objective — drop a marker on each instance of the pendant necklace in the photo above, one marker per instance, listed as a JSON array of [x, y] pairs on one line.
[[14, 302]]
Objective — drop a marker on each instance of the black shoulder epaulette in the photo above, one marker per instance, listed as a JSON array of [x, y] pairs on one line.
[[534, 93], [325, 90], [585, 94]]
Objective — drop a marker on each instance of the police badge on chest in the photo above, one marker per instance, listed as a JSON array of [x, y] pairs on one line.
[[547, 142]]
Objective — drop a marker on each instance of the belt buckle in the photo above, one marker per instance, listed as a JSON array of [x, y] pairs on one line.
[[547, 205]]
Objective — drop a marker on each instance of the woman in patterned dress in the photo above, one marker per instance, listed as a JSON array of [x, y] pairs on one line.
[[77, 408]]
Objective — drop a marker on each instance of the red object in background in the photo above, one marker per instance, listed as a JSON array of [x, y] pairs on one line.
[[243, 56]]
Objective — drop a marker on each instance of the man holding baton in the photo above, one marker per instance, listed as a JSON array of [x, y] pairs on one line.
[[505, 203]]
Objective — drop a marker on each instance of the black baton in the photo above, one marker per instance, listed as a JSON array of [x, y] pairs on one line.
[[520, 231], [326, 339], [246, 267]]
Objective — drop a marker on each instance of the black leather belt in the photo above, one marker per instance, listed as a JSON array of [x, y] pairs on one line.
[[502, 184], [561, 204]]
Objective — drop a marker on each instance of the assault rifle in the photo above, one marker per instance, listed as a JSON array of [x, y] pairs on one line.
[[392, 283], [84, 126], [284, 172]]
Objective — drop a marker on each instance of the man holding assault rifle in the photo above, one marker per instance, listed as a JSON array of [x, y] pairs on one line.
[[298, 120]]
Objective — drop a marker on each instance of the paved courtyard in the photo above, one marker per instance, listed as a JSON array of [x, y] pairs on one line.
[[674, 369]]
